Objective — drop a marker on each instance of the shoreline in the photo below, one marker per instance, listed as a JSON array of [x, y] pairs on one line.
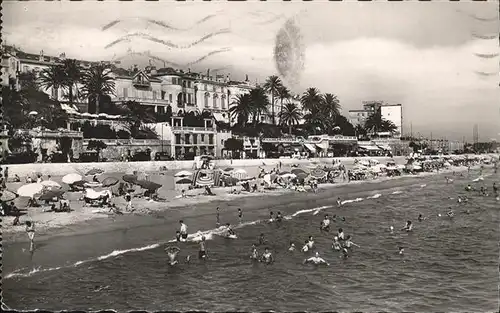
[[100, 223]]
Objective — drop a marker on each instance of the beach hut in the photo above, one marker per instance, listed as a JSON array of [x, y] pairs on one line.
[[30, 190], [71, 178], [203, 178], [318, 173]]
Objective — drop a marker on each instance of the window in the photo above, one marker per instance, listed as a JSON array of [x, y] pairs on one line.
[[177, 139], [189, 99], [206, 100], [163, 94], [25, 68], [215, 102], [205, 87], [213, 88], [195, 139], [186, 139], [161, 110], [223, 102], [174, 80], [210, 139], [184, 97], [154, 94], [125, 92], [202, 138], [170, 97]]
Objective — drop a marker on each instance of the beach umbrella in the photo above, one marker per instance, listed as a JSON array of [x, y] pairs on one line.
[[80, 183], [130, 178], [184, 181], [302, 175], [50, 184], [228, 169], [30, 190], [284, 173], [110, 181], [230, 180], [94, 171], [289, 176], [246, 179], [183, 174], [149, 185], [33, 113], [71, 178], [49, 195], [92, 194], [298, 171], [318, 173], [7, 195], [240, 171]]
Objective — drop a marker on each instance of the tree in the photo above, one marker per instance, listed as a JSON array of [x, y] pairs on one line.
[[97, 82], [136, 115], [72, 75], [375, 123], [241, 109], [331, 105], [97, 145], [52, 77], [273, 85], [290, 115], [283, 94], [233, 144], [311, 100], [259, 103]]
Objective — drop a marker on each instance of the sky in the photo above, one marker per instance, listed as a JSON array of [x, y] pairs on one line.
[[422, 55]]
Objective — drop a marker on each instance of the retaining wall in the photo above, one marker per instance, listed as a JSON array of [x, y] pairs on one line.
[[58, 169]]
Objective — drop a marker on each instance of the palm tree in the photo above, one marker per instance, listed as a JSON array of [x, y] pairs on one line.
[[283, 94], [311, 99], [259, 103], [52, 77], [290, 115], [273, 85], [241, 109], [375, 123], [97, 82], [72, 75], [331, 105]]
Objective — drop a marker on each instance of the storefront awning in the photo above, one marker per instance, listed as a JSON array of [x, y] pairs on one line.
[[310, 147], [219, 117], [369, 148], [319, 147], [386, 148]]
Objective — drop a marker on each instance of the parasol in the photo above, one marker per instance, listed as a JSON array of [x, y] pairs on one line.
[[288, 176], [94, 171], [130, 178], [302, 175], [149, 185], [71, 178], [183, 174], [240, 171], [49, 195], [110, 181], [230, 180], [228, 169], [184, 181], [7, 195], [298, 171], [50, 184], [318, 173], [30, 190]]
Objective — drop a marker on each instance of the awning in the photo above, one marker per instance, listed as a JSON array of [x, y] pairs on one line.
[[69, 109], [386, 148], [310, 147], [219, 117], [369, 148], [319, 147]]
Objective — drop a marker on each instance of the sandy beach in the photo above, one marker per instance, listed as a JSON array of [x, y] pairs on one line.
[[85, 219]]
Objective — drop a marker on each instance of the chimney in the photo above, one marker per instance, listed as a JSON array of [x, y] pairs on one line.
[[208, 72], [246, 77], [189, 70], [41, 57]]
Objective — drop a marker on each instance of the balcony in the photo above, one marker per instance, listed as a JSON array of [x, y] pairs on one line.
[[142, 84], [148, 100], [193, 129]]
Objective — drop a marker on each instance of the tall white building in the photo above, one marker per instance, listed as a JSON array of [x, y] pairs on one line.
[[393, 113]]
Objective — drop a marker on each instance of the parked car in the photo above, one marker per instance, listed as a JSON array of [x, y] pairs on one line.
[[163, 156], [21, 157], [142, 156]]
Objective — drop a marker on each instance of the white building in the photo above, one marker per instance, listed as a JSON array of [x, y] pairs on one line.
[[213, 95], [393, 113]]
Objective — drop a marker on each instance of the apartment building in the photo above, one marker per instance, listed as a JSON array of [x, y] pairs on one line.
[[213, 95]]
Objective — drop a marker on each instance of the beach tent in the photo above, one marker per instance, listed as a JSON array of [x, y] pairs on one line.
[[184, 181], [203, 178], [94, 171], [7, 195], [298, 171], [110, 181], [30, 190], [183, 174], [71, 178], [50, 184], [51, 194]]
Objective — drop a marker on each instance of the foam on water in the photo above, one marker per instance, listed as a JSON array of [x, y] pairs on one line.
[[397, 192], [375, 196], [351, 201]]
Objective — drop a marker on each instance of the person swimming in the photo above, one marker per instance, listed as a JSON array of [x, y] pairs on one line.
[[448, 180], [408, 226], [202, 254], [240, 215], [495, 189], [262, 239], [291, 247], [267, 257], [450, 213], [172, 254], [254, 255], [420, 218], [279, 217], [178, 236], [305, 248], [401, 250], [340, 234], [316, 260], [310, 242], [217, 214], [348, 243], [325, 224], [229, 231], [339, 201], [336, 244], [391, 229], [271, 217], [468, 188]]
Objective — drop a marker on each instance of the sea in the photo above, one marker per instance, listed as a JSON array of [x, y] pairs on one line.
[[449, 264]]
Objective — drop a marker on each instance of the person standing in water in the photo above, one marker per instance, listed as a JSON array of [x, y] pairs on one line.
[[408, 226], [305, 248], [316, 260], [254, 255], [336, 244], [217, 215], [271, 217], [339, 201], [325, 224], [340, 234], [291, 248], [279, 217], [202, 254], [348, 243], [310, 242], [30, 230], [172, 254], [183, 230], [240, 215], [267, 257], [262, 239]]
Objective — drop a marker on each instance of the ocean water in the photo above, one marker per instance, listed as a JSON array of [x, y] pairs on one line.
[[449, 264]]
